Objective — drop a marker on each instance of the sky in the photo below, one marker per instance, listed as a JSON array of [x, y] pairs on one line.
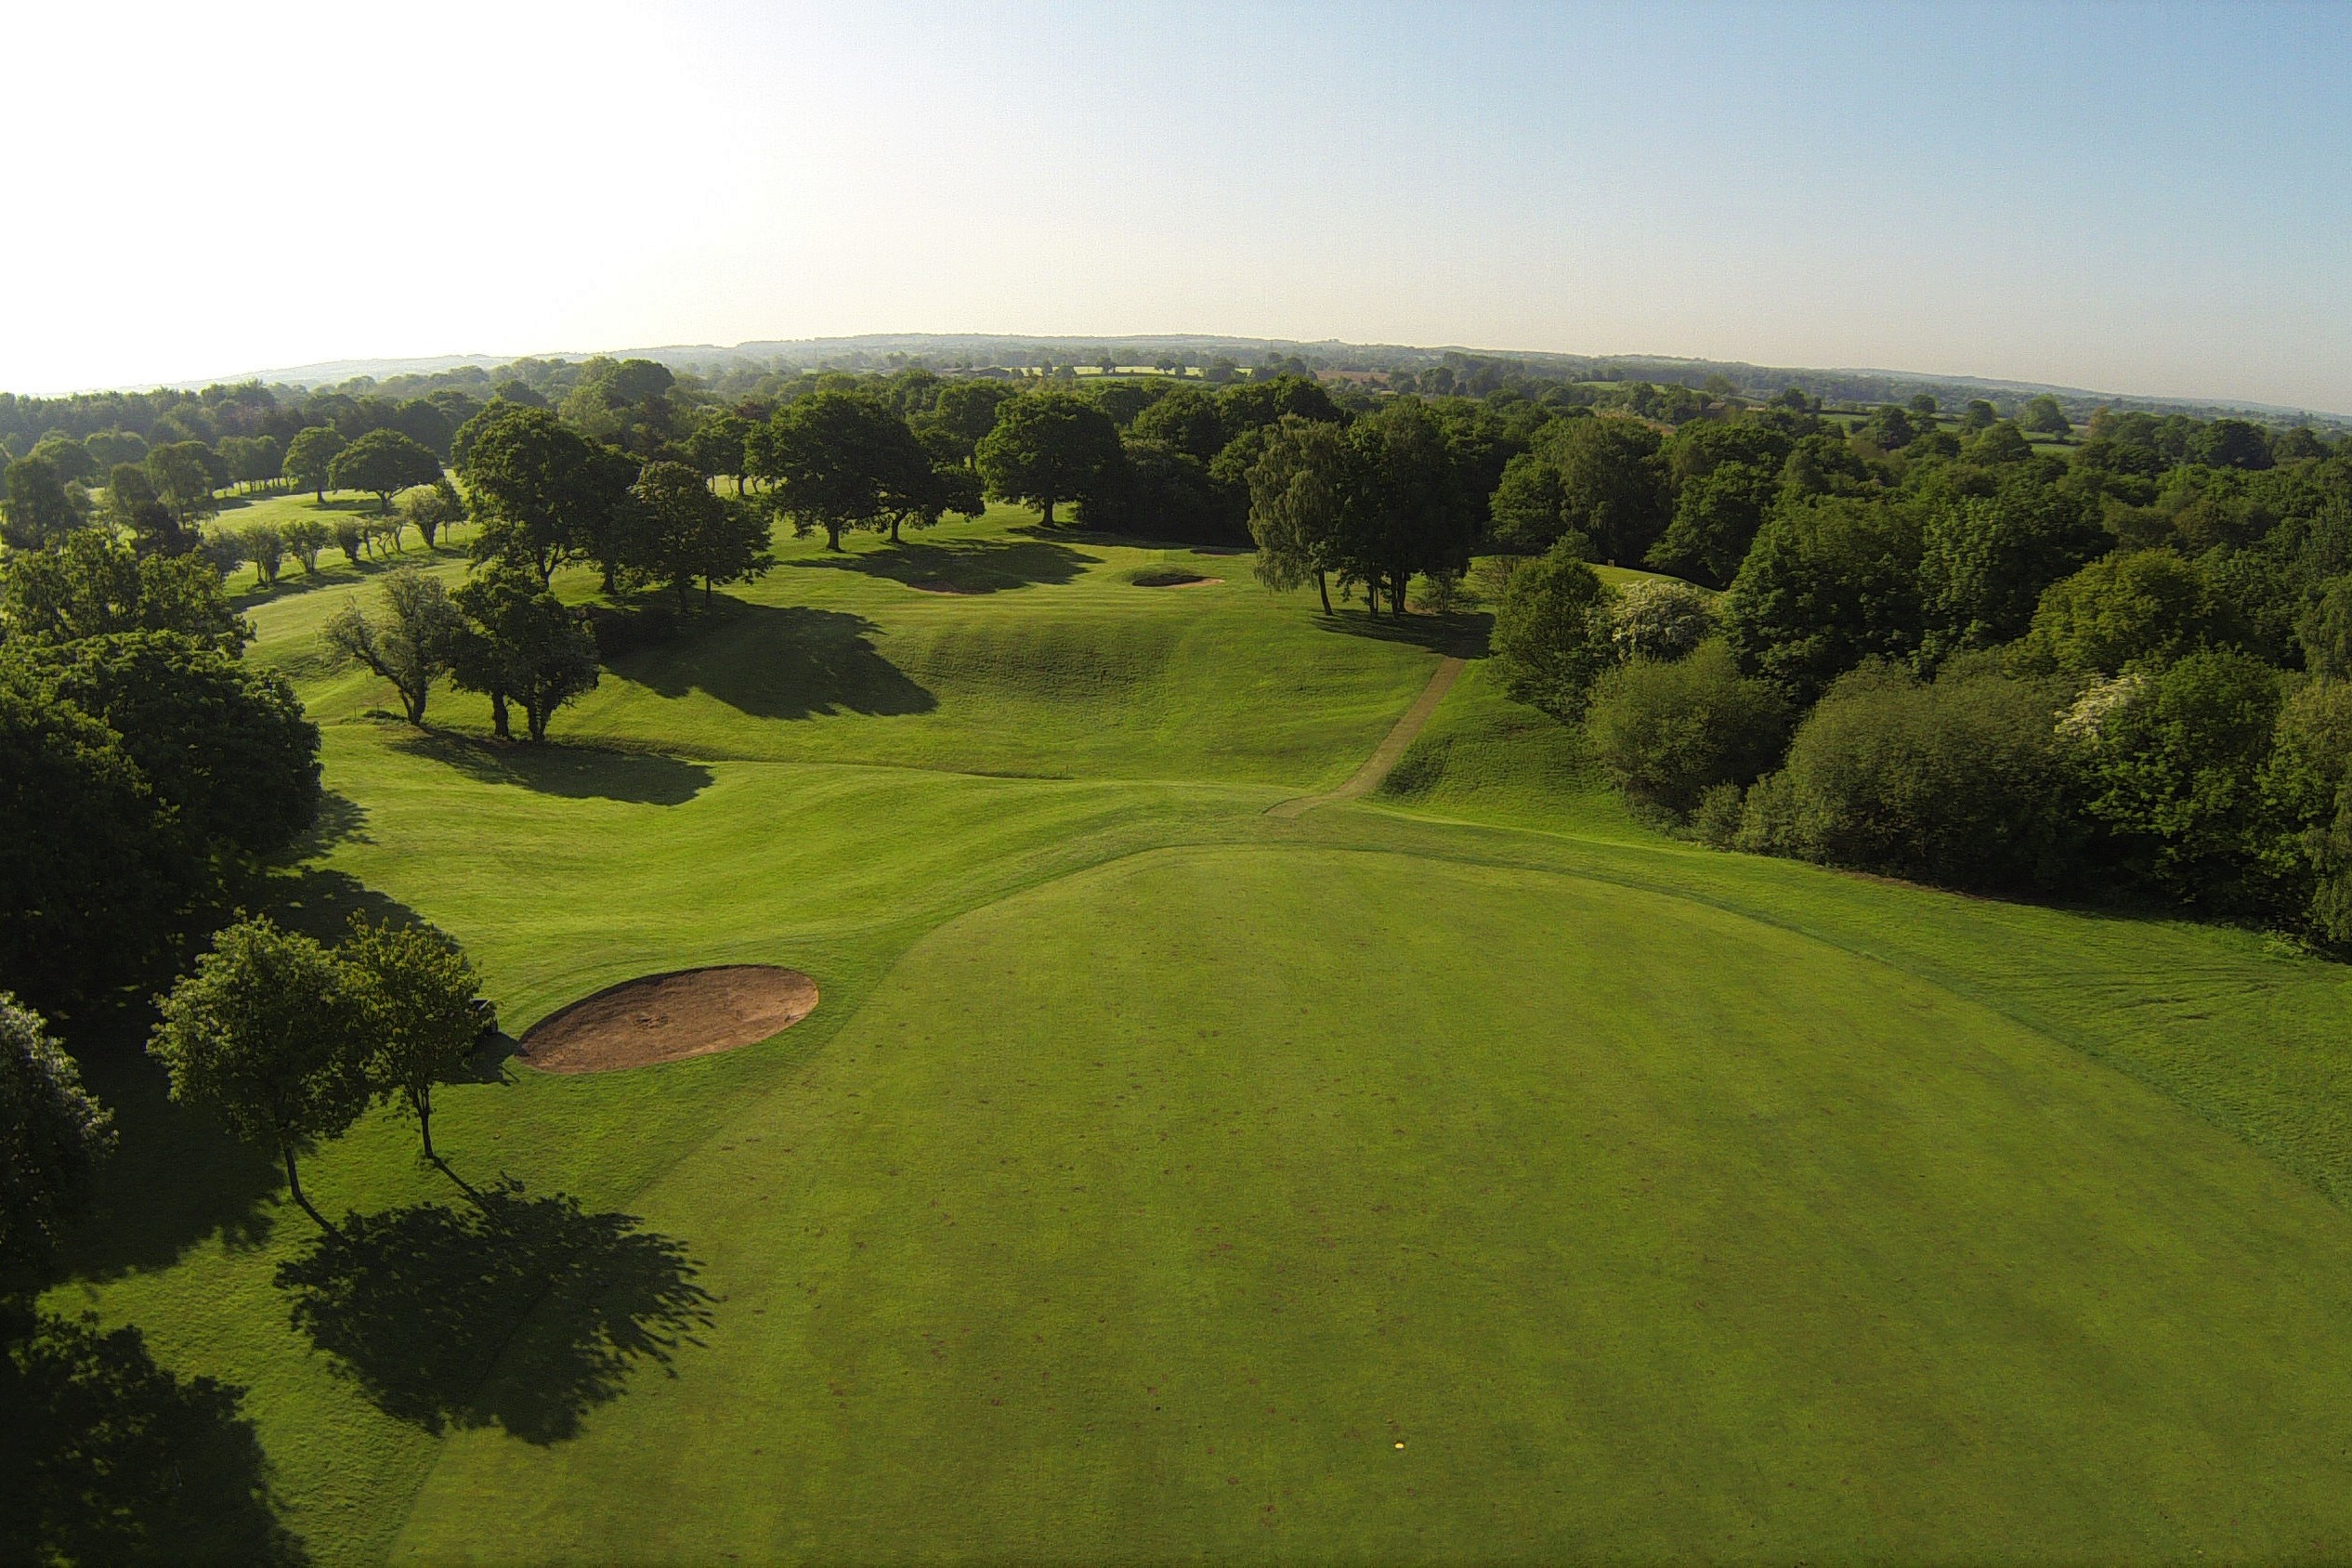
[[2147, 199]]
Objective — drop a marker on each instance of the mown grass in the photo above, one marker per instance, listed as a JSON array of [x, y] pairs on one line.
[[1153, 1166]]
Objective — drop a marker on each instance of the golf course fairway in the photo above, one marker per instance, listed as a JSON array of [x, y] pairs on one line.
[[1461, 1172]]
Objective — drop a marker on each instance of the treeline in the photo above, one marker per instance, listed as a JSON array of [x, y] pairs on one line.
[[2122, 668]]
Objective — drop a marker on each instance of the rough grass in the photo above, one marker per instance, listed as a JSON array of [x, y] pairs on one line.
[[1153, 1167]]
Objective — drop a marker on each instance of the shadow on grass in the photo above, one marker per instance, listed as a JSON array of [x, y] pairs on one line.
[[106, 1457], [783, 662], [977, 566], [574, 772], [506, 1311], [1462, 633], [176, 1177]]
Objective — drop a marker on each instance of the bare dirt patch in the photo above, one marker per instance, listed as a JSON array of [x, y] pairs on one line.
[[668, 1018]]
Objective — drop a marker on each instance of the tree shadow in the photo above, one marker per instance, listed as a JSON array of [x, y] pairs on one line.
[[1462, 633], [320, 902], [574, 772], [106, 1457], [176, 1177], [339, 572], [963, 566], [507, 1310], [340, 819], [784, 663]]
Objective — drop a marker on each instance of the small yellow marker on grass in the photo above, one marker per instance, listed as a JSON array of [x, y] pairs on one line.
[[1400, 1446]]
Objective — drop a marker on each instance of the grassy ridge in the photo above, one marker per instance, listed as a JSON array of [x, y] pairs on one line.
[[1482, 1086]]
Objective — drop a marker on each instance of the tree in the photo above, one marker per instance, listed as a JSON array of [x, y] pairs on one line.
[[839, 458], [310, 459], [1716, 516], [266, 548], [2230, 443], [522, 642], [182, 473], [382, 461], [543, 494], [38, 510], [269, 1034], [431, 507], [1831, 581], [2325, 629], [962, 417], [683, 531], [1410, 513], [411, 646], [420, 1000], [1958, 782], [1986, 561], [1300, 490], [304, 539], [1598, 479], [1047, 447], [1668, 732], [2138, 607], [91, 583], [1191, 421], [1548, 635], [53, 1136], [225, 745], [94, 869], [127, 490], [2042, 417], [718, 447]]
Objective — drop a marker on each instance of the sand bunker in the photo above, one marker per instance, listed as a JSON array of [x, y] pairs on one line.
[[670, 1017]]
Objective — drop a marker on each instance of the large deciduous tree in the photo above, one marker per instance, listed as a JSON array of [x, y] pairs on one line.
[[382, 461], [53, 1134], [1048, 447], [1301, 491], [1550, 635], [419, 999], [544, 494], [680, 530], [521, 644], [90, 584], [268, 1033], [309, 459], [412, 643]]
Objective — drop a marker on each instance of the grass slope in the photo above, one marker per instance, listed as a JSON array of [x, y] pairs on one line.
[[1153, 1166]]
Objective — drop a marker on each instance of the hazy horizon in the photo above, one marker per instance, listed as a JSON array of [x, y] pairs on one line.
[[2142, 200]]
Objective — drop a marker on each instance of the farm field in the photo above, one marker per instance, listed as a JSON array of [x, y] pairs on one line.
[[1465, 1173]]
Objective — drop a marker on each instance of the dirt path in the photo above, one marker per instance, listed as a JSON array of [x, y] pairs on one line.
[[1376, 767]]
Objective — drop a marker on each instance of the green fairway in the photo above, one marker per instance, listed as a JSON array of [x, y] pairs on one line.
[[1154, 1166]]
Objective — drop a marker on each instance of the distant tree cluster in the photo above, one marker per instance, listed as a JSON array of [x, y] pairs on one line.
[[1943, 651]]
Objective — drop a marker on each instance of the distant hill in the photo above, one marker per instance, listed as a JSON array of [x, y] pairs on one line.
[[955, 350]]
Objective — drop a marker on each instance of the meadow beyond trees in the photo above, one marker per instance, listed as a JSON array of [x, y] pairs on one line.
[[1329, 1014]]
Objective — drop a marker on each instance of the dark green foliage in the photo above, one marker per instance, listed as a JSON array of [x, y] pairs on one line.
[[225, 746], [1986, 561], [1830, 582], [2325, 630], [382, 461], [1409, 511], [2230, 443], [2306, 787], [185, 477], [53, 1136], [1716, 515], [1667, 732], [1594, 479], [960, 417], [1047, 447], [2173, 774], [545, 494], [38, 510], [522, 642], [310, 457], [1550, 633], [848, 460], [420, 999], [93, 867], [269, 1033], [413, 644], [2145, 607], [680, 530], [1188, 420], [1958, 783]]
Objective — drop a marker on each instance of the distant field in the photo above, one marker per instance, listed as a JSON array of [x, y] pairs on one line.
[[1154, 1168]]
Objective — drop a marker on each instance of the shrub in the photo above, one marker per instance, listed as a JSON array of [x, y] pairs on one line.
[[1659, 620], [1549, 632], [265, 547], [1959, 782], [2147, 606], [305, 537], [1667, 732]]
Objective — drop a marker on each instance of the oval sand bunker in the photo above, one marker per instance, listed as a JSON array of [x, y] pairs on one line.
[[670, 1017]]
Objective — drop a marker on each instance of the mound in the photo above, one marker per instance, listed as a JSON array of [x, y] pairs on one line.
[[1174, 580], [670, 1017]]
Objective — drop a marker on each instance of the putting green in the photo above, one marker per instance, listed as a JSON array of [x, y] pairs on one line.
[[1649, 1230]]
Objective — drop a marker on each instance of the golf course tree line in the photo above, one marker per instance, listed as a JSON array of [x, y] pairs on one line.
[[2123, 668]]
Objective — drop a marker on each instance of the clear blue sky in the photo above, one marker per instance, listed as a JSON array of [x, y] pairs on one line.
[[2151, 199]]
